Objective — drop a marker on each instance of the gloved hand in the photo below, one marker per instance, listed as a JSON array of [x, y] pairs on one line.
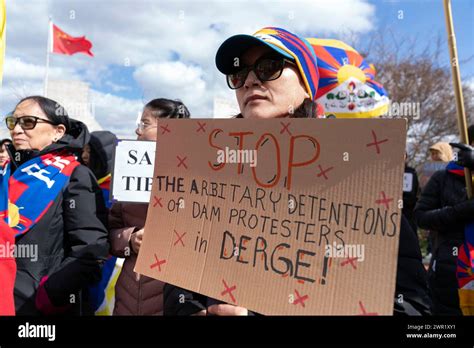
[[465, 155], [465, 210]]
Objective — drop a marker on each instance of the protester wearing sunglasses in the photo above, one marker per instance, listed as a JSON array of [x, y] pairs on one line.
[[53, 203], [274, 74]]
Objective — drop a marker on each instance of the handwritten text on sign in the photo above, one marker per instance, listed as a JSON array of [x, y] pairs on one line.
[[293, 217]]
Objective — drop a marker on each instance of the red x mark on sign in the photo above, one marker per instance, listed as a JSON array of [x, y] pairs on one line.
[[323, 172], [201, 127], [384, 200], [165, 129], [300, 299], [228, 290], [352, 261], [181, 162], [157, 201], [158, 263], [285, 128], [376, 143], [364, 312], [180, 238]]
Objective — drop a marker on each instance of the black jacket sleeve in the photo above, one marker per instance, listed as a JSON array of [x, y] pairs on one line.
[[178, 301], [430, 212], [86, 242]]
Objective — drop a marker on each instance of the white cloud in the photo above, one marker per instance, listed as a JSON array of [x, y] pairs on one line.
[[10, 94], [174, 80], [116, 114], [470, 83], [18, 69], [170, 45]]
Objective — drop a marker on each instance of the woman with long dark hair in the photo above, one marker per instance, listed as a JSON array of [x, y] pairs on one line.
[[137, 294]]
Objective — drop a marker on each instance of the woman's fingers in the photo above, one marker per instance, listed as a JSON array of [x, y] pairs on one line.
[[227, 309]]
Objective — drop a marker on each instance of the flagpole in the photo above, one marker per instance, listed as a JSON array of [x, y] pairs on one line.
[[461, 113], [48, 49]]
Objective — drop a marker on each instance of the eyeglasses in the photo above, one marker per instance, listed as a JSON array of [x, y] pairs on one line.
[[25, 122], [142, 126], [266, 69]]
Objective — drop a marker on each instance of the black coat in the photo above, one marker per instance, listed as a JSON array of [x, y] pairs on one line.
[[71, 237], [443, 209], [411, 292]]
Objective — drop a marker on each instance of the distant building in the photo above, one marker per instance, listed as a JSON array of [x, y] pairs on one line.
[[74, 97]]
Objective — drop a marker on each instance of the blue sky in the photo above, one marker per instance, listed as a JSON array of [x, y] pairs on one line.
[[425, 19], [163, 48], [421, 18]]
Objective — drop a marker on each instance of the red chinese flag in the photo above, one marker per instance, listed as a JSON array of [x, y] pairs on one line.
[[66, 44]]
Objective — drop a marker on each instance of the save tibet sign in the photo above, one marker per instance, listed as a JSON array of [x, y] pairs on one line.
[[291, 216], [134, 162]]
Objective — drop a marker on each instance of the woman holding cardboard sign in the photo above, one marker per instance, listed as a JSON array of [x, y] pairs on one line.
[[274, 74], [135, 294]]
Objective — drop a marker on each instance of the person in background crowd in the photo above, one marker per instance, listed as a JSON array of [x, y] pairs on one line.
[[98, 156], [411, 190], [3, 151], [136, 294], [441, 152], [270, 67], [60, 214], [444, 209]]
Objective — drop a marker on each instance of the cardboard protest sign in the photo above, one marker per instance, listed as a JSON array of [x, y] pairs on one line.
[[133, 171], [290, 216]]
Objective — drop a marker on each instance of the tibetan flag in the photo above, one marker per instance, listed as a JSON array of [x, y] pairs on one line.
[[3, 27], [347, 86], [465, 271], [63, 43]]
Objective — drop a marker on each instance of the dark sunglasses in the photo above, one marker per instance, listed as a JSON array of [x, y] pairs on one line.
[[25, 122], [266, 69]]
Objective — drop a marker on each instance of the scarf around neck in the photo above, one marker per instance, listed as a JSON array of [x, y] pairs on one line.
[[28, 193]]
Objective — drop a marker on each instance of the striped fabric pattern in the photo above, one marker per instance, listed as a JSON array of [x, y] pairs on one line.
[[299, 49]]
